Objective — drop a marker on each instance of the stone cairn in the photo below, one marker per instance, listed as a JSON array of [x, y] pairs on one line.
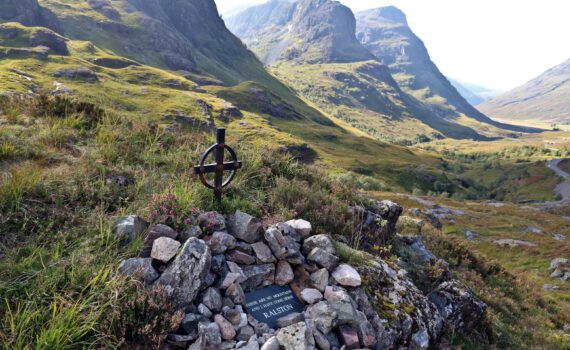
[[207, 270]]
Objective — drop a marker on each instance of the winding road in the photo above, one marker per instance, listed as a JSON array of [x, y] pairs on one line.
[[563, 188]]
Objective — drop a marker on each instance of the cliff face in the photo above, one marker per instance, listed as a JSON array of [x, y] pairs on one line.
[[324, 31], [27, 12], [386, 33]]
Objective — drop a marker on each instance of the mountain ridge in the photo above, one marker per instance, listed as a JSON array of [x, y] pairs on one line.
[[386, 33], [543, 99]]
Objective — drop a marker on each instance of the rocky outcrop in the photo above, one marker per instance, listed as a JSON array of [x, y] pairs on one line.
[[459, 307], [29, 13], [377, 223]]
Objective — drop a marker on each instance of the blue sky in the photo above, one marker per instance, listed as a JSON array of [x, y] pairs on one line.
[[494, 43]]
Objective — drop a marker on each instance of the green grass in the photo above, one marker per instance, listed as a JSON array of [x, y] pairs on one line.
[[509, 280]]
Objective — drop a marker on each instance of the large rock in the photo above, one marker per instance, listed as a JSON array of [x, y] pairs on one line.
[[341, 302], [183, 277], [302, 228], [311, 296], [349, 337], [220, 242], [210, 337], [322, 316], [164, 249], [320, 279], [226, 328], [271, 344], [558, 263], [296, 337], [346, 275], [139, 265], [79, 73], [276, 241], [377, 224], [212, 298], [128, 228], [240, 257], [212, 222], [284, 273], [290, 319], [319, 241], [245, 227], [263, 252], [256, 275], [235, 293], [156, 232], [460, 308], [322, 258]]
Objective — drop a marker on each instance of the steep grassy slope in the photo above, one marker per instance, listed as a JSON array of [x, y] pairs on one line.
[[544, 99], [385, 32]]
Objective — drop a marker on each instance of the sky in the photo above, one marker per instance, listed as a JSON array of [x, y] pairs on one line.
[[499, 44]]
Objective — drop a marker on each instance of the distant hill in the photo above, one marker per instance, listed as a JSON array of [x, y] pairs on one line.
[[386, 33], [544, 99], [473, 98]]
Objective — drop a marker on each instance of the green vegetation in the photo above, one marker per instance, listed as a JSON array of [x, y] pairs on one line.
[[509, 280], [58, 285]]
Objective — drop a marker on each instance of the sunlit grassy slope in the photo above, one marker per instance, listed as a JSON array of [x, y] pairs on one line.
[[521, 311]]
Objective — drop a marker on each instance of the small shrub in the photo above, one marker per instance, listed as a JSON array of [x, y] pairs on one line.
[[166, 209], [7, 150], [142, 317]]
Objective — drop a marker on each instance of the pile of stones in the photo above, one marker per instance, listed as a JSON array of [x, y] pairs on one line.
[[213, 271], [208, 270]]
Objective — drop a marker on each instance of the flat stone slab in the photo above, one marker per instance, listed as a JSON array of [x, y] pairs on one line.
[[270, 304]]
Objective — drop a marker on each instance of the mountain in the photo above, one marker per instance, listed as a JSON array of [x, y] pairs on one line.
[[172, 63], [471, 97], [386, 33], [312, 46], [477, 92], [544, 99]]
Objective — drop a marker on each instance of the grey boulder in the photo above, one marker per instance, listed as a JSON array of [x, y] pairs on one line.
[[245, 227], [128, 228], [139, 265], [183, 277]]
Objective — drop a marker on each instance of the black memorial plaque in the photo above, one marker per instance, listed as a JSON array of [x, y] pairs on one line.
[[272, 303]]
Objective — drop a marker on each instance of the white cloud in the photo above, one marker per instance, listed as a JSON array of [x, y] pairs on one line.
[[494, 43]]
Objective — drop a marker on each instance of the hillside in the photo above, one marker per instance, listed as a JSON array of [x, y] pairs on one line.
[[543, 99], [303, 129], [108, 240], [294, 38], [386, 33]]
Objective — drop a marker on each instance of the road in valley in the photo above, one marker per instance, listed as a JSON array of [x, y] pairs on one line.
[[563, 188]]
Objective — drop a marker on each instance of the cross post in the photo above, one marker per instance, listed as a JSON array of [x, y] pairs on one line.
[[219, 179], [219, 167]]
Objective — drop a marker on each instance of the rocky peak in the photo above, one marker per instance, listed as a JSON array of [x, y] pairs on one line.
[[385, 32], [325, 32]]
